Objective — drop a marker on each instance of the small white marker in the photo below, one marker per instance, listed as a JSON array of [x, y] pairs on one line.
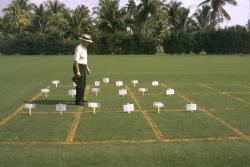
[[119, 83], [128, 108], [105, 80], [72, 92], [95, 90], [123, 92], [170, 92], [158, 105], [29, 106], [155, 83], [94, 105], [74, 84], [135, 82], [97, 83], [191, 107], [45, 92], [56, 82], [143, 90], [61, 108]]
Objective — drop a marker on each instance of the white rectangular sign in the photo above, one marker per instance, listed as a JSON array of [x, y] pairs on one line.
[[61, 107], [46, 90], [105, 80], [56, 82], [29, 106], [72, 92], [158, 104], [123, 92], [119, 83], [155, 83], [93, 105], [143, 89], [95, 90], [135, 82], [191, 107], [128, 108], [170, 92], [97, 83]]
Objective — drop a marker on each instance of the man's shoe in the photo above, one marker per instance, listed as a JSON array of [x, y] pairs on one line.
[[79, 103]]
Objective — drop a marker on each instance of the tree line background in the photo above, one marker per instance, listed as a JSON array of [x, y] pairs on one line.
[[145, 28]]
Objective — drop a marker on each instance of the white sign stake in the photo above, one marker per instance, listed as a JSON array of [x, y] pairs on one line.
[[119, 83], [61, 108], [170, 92], [191, 107], [29, 106], [97, 83], [143, 90], [135, 82], [123, 92], [155, 83], [56, 82], [94, 105], [105, 80], [158, 105], [72, 92], [45, 92], [128, 108], [95, 90]]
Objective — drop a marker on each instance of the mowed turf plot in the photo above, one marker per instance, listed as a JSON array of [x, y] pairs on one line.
[[217, 134]]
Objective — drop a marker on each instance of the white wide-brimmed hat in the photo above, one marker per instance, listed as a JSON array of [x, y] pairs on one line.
[[86, 37]]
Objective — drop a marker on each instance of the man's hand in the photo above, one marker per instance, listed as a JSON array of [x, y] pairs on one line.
[[88, 70], [78, 74]]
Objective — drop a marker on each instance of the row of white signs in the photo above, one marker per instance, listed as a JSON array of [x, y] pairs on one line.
[[106, 81], [122, 92], [120, 83], [126, 108]]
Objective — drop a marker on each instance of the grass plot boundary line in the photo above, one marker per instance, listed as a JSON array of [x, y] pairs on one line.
[[218, 119], [19, 109], [75, 123], [147, 117], [225, 94], [102, 142]]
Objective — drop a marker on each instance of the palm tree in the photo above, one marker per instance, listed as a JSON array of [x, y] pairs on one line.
[[79, 21], [18, 16], [41, 16], [178, 17], [129, 15], [218, 12], [55, 7], [109, 16], [146, 9], [57, 12], [203, 19]]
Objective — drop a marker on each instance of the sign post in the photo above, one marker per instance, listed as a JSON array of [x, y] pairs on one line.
[[94, 105]]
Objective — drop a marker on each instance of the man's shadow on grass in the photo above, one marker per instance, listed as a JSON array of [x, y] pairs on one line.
[[53, 102]]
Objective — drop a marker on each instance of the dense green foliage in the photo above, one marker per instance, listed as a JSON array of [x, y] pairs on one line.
[[143, 27], [234, 40]]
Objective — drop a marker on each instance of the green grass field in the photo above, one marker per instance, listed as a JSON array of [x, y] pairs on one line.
[[218, 134]]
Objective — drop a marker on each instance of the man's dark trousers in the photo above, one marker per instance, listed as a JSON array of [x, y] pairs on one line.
[[81, 83]]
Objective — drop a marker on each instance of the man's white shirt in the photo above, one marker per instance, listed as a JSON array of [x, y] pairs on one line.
[[81, 54]]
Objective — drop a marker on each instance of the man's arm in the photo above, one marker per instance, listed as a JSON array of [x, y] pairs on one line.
[[77, 69]]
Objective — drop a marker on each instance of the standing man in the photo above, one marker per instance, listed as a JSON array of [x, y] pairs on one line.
[[80, 67]]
